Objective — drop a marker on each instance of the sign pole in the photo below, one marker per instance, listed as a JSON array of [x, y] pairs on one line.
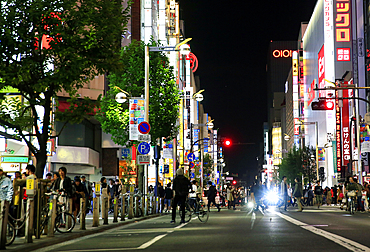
[[146, 116]]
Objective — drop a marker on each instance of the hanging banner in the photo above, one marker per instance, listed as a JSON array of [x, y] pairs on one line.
[[137, 114]]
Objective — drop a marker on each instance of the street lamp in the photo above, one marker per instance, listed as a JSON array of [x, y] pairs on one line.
[[178, 47], [300, 123]]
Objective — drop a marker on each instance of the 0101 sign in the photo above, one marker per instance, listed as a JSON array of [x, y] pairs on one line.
[[282, 53]]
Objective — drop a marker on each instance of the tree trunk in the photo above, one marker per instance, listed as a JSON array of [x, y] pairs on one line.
[[40, 164]]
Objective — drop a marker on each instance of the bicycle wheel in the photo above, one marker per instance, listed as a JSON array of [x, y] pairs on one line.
[[10, 234], [203, 214], [64, 222], [188, 213], [352, 207]]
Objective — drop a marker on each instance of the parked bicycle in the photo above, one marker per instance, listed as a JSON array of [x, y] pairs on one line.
[[64, 221], [13, 226]]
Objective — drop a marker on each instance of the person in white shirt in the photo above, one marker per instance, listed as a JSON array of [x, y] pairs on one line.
[[193, 194]]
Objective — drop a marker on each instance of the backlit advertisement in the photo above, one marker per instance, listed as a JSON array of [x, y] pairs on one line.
[[321, 71], [343, 37]]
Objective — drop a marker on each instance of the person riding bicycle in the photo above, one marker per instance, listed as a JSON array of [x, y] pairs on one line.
[[193, 195], [351, 186], [181, 187]]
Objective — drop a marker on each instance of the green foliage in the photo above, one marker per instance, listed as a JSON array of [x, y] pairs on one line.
[[84, 38], [299, 162], [207, 164], [163, 94]]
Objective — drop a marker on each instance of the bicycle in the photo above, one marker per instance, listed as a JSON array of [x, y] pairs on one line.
[[64, 221], [200, 210], [13, 225], [351, 201]]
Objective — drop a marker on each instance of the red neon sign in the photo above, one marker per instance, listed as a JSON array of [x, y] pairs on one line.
[[282, 53], [321, 68]]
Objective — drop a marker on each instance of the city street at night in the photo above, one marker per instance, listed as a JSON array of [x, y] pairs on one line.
[[324, 229]]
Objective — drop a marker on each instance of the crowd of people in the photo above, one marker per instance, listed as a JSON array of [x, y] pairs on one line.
[[314, 194]]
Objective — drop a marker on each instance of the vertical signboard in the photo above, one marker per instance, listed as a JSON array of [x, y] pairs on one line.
[[343, 37], [338, 134], [137, 114], [345, 130], [321, 69]]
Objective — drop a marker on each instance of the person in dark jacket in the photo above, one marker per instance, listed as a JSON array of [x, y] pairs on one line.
[[63, 183], [298, 194], [212, 196], [181, 187], [168, 195]]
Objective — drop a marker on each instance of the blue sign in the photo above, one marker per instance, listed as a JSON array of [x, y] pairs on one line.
[[166, 169], [125, 152], [192, 165], [191, 157], [192, 175], [143, 148]]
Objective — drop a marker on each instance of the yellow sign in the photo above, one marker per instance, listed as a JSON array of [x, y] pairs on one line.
[[295, 67], [97, 188], [30, 184]]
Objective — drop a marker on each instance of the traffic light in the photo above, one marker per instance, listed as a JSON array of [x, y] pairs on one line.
[[234, 182], [227, 143], [322, 105]]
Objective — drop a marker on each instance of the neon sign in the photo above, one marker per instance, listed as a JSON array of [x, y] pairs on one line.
[[282, 53], [342, 21]]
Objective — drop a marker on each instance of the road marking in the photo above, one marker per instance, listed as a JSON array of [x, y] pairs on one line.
[[143, 246], [347, 243], [152, 241]]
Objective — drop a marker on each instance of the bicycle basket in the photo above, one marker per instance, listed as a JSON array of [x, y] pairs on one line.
[[351, 194]]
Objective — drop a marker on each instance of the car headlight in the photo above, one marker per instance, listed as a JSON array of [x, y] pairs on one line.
[[250, 204]]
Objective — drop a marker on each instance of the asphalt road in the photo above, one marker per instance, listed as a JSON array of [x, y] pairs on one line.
[[326, 229]]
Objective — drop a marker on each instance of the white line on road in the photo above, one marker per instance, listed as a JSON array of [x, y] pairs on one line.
[[347, 243], [143, 246]]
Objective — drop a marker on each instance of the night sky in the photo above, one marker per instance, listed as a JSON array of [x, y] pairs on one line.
[[230, 40]]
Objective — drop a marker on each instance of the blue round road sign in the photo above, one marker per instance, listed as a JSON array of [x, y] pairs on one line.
[[144, 127], [143, 148], [191, 157]]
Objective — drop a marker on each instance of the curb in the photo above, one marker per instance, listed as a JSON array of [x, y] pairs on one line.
[[48, 241]]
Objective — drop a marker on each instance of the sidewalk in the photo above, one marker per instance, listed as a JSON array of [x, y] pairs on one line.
[[19, 245]]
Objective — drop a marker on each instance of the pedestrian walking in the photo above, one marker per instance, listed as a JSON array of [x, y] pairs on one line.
[[230, 197], [284, 191], [181, 186], [298, 194], [318, 194], [212, 196], [168, 196]]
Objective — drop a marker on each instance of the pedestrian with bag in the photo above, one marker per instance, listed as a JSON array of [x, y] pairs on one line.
[[298, 194], [212, 196], [181, 186]]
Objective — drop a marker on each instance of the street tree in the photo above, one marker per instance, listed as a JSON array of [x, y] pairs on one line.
[[163, 94], [208, 164], [48, 46], [298, 162]]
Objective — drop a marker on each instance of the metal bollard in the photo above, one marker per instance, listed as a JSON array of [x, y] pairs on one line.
[[123, 202], [115, 208], [105, 206], [143, 205], [29, 222], [70, 202], [131, 203], [96, 211], [83, 213], [3, 222], [52, 214], [157, 206]]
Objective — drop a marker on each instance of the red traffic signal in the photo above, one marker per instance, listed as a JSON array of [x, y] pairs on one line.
[[227, 142], [322, 105], [234, 182]]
